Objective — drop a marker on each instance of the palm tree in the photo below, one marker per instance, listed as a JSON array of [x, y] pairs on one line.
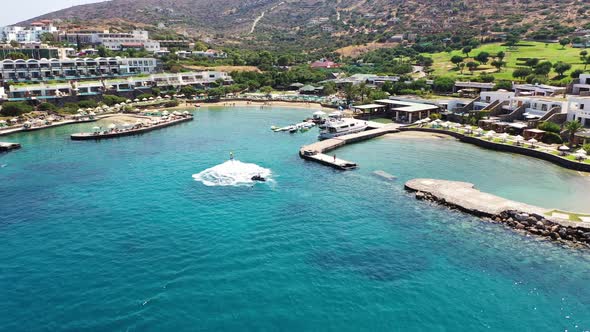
[[573, 127]]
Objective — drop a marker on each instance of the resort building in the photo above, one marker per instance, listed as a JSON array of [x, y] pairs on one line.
[[407, 111], [74, 69], [214, 54], [473, 87], [537, 108], [537, 90], [325, 64], [582, 87], [488, 98], [137, 39], [31, 51], [47, 90], [23, 34], [578, 109]]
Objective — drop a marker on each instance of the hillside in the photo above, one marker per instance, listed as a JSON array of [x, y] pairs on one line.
[[338, 23]]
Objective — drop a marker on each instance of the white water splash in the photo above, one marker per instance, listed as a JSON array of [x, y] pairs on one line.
[[231, 173]]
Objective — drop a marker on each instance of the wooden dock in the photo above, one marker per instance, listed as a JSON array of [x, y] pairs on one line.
[[93, 136], [7, 146], [315, 152]]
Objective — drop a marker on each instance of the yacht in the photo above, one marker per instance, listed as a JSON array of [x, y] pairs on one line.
[[343, 126]]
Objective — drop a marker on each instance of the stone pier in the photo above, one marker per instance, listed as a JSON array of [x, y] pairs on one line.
[[520, 216]]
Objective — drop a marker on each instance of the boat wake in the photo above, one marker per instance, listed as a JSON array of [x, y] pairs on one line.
[[231, 173]]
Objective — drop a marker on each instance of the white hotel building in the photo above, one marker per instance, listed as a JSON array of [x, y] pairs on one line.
[[74, 69], [47, 90], [579, 110], [28, 34]]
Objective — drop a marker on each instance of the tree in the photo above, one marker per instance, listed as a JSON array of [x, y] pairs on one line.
[[504, 85], [329, 88], [576, 73], [482, 57], [583, 55], [456, 60], [543, 68], [532, 62], [521, 72], [363, 90], [472, 66], [351, 92], [501, 55], [285, 60], [512, 40], [462, 66], [586, 62], [466, 50], [15, 108], [443, 84], [47, 37], [498, 64], [188, 90], [561, 67], [573, 127], [14, 43], [564, 41]]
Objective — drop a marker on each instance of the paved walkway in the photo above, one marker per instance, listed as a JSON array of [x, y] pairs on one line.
[[464, 195]]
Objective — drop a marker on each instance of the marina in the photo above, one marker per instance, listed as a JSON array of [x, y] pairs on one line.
[[316, 151]]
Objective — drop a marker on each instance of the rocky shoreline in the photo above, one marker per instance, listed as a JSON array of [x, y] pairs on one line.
[[525, 223]]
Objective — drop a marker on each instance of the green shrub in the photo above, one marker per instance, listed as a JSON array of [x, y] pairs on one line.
[[552, 138], [15, 108], [90, 103], [172, 103], [550, 127], [586, 147], [144, 95], [45, 107], [111, 100]]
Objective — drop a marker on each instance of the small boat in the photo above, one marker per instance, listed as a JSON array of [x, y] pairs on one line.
[[258, 178]]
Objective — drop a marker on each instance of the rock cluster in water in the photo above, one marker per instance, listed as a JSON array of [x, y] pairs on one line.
[[526, 223]]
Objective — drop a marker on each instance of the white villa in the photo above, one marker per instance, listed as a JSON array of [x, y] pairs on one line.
[[26, 34], [537, 90], [582, 88], [579, 110], [80, 68]]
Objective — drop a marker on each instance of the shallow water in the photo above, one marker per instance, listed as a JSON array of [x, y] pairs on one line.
[[117, 235]]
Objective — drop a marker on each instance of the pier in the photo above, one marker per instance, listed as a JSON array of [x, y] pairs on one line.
[[316, 152], [6, 146], [114, 134], [542, 222]]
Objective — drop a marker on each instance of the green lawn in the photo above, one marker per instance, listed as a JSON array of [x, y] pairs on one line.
[[551, 52], [572, 216]]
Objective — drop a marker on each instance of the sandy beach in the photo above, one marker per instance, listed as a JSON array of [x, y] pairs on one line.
[[243, 103]]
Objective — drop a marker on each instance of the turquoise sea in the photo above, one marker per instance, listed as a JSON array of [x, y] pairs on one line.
[[117, 236]]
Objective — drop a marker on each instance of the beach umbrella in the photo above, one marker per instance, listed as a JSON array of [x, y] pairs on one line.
[[165, 113], [158, 97], [144, 99], [167, 96], [136, 100], [491, 132], [151, 98], [518, 138], [185, 113], [479, 130], [80, 110], [2, 122], [319, 113], [128, 101], [564, 148], [427, 120], [533, 141], [104, 107], [14, 120]]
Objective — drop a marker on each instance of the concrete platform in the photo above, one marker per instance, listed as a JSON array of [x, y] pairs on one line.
[[468, 199], [7, 146], [315, 152]]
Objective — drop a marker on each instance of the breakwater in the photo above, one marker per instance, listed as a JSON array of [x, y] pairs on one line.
[[94, 136], [555, 159], [518, 216]]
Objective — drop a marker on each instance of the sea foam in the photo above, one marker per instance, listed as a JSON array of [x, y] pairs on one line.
[[231, 173]]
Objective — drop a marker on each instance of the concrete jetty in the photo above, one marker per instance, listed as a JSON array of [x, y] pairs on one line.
[[315, 152], [522, 217], [7, 146], [96, 136]]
